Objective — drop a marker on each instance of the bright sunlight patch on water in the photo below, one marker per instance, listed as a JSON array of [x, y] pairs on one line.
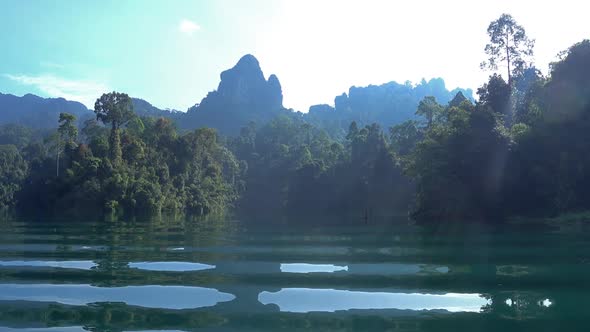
[[152, 296], [170, 266], [330, 300], [311, 268], [81, 265]]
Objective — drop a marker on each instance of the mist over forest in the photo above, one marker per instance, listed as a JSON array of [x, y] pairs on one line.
[[516, 147]]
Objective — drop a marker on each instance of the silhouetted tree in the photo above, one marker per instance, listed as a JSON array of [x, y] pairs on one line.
[[508, 43]]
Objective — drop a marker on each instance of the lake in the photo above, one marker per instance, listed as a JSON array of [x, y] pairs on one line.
[[227, 275]]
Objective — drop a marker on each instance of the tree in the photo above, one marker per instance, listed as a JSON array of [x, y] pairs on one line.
[[429, 109], [404, 137], [458, 166], [508, 43], [13, 170], [568, 90], [353, 131], [16, 135], [117, 109], [67, 129], [528, 97], [496, 95], [67, 133], [92, 129]]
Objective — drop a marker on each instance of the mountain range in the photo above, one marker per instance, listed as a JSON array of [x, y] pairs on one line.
[[243, 96]]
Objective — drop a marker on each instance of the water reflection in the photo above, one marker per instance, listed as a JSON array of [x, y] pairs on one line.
[[48, 329], [81, 265], [311, 268], [28, 248], [330, 300], [372, 269], [166, 297], [170, 266], [530, 281], [66, 329], [396, 269]]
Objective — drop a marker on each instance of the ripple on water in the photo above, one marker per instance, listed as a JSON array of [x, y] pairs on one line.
[[64, 329], [329, 300], [45, 329], [176, 249], [152, 296], [170, 266]]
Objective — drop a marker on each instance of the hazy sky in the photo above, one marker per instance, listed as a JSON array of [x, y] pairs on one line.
[[172, 52]]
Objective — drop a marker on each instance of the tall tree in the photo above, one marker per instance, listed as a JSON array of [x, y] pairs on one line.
[[508, 43], [67, 129], [429, 108], [117, 109], [67, 133]]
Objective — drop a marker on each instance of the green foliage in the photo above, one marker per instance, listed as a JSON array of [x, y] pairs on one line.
[[13, 170], [457, 165], [115, 151], [522, 149], [67, 129], [568, 91], [294, 167], [155, 169], [114, 108], [548, 169], [66, 136], [117, 109], [519, 130], [495, 94], [404, 137], [529, 97], [13, 134], [430, 109]]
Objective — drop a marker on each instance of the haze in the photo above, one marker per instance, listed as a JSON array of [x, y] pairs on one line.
[[172, 53]]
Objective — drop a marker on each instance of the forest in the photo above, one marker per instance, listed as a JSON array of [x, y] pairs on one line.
[[520, 149]]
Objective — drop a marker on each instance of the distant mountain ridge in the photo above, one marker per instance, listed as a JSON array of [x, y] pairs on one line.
[[243, 96], [387, 104], [37, 112], [144, 108], [43, 113]]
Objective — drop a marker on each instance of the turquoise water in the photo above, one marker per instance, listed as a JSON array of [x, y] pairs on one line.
[[272, 276]]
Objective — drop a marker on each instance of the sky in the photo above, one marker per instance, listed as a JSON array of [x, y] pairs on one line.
[[171, 53]]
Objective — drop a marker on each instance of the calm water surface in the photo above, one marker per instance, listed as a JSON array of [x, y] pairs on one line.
[[230, 276]]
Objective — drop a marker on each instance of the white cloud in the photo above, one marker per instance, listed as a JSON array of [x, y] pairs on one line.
[[83, 91], [188, 27]]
